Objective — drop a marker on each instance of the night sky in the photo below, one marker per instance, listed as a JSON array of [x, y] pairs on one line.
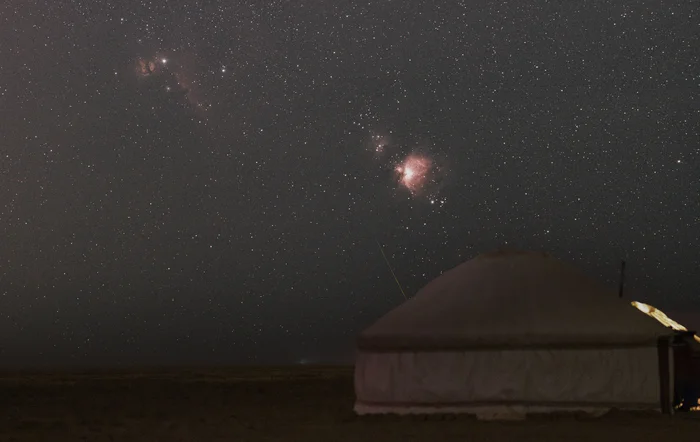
[[201, 182]]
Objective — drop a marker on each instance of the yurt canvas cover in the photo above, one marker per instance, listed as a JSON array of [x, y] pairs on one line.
[[513, 332]]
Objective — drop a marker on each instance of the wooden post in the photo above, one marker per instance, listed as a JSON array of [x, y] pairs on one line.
[[665, 352]]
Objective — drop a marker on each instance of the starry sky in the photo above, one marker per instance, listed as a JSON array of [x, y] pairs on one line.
[[189, 182]]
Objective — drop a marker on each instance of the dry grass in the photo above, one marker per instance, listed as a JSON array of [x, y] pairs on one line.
[[251, 404]]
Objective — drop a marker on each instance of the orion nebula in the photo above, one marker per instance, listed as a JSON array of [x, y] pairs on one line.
[[414, 172]]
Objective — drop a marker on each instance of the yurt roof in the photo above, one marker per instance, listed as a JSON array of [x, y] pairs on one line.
[[512, 299]]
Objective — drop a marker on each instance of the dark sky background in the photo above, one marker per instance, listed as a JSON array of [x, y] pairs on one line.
[[202, 182]]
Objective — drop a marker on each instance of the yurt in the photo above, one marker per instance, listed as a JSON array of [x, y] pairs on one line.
[[511, 333]]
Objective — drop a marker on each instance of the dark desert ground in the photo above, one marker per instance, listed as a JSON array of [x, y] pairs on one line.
[[267, 404]]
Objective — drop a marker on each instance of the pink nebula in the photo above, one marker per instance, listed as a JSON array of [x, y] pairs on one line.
[[413, 172]]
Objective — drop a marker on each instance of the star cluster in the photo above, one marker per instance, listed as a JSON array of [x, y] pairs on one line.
[[201, 182]]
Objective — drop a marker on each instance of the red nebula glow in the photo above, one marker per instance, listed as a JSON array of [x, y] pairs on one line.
[[379, 143], [413, 172], [182, 68], [146, 67]]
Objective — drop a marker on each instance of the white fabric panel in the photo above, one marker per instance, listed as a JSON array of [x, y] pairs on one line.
[[561, 377]]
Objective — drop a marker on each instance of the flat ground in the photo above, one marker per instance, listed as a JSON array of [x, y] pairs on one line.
[[266, 404]]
